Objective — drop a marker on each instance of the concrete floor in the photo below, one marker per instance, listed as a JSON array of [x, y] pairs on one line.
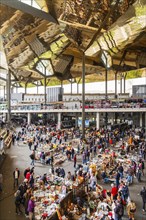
[[18, 156]]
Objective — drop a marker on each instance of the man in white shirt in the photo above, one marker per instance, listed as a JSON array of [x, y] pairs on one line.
[[16, 175]]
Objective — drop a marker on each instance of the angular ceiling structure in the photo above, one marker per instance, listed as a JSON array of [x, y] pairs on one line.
[[51, 41]]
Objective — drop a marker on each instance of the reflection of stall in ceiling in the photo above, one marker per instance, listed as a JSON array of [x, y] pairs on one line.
[[28, 37]]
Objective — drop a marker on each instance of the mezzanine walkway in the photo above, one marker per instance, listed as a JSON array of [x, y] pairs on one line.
[[77, 110]]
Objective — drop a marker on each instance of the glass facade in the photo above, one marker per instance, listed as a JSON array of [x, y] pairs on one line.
[[139, 91]]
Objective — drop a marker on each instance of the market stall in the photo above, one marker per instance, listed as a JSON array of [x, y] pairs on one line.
[[54, 194]]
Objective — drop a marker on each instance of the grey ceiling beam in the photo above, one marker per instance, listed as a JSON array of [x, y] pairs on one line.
[[29, 10], [1, 78]]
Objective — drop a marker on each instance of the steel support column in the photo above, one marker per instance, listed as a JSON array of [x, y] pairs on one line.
[[59, 121], [45, 95], [76, 120], [45, 98], [4, 92], [71, 87], [28, 118], [140, 121], [116, 85], [62, 92], [122, 59], [125, 82], [83, 95], [145, 122], [97, 121], [77, 88], [116, 117], [9, 96], [37, 88], [121, 85], [25, 91], [106, 95], [62, 84]]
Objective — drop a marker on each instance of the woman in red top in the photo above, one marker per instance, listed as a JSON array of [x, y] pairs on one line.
[[28, 176], [114, 192]]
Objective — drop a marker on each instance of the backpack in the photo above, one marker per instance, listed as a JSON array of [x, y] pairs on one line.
[[119, 210], [133, 208], [62, 172], [125, 190], [43, 156], [32, 156]]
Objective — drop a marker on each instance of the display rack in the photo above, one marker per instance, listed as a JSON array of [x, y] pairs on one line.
[[7, 137], [3, 133], [8, 140]]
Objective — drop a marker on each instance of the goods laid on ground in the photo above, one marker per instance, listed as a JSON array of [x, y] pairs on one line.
[[48, 195]]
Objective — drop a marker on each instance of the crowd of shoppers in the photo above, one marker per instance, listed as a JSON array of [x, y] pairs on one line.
[[95, 143]]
